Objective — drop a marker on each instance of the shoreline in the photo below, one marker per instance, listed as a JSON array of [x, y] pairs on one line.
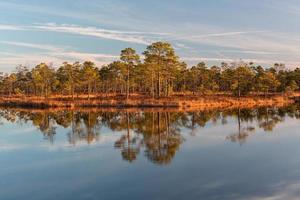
[[179, 103]]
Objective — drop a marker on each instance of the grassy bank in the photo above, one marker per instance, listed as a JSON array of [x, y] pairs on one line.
[[175, 102]]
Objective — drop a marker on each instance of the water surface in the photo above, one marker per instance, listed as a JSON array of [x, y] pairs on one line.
[[232, 154]]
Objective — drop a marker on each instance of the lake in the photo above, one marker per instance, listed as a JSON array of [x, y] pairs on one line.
[[92, 154]]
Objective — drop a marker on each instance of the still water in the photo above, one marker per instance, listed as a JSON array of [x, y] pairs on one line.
[[232, 154]]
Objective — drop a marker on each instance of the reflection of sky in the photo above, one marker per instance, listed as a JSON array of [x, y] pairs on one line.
[[207, 166]]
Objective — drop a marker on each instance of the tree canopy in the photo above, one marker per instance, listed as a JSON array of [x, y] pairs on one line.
[[160, 73]]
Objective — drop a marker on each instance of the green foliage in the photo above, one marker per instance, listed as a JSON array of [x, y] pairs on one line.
[[161, 63], [89, 76], [159, 75], [44, 78], [130, 60], [242, 82], [68, 76]]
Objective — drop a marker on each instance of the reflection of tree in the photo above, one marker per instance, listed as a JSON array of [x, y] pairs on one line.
[[292, 111], [84, 127], [199, 119], [192, 125], [268, 118], [46, 125], [63, 118], [157, 134], [164, 139], [92, 127], [8, 115], [243, 132], [129, 146]]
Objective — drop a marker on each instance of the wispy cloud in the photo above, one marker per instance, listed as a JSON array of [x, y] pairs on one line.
[[86, 56], [190, 31], [105, 11], [260, 46], [246, 40], [53, 54], [274, 45], [35, 46], [224, 34], [136, 37], [251, 52], [10, 27], [288, 63], [124, 36], [28, 59], [98, 59], [54, 58]]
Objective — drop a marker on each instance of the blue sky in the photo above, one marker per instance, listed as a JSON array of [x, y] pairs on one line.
[[53, 31]]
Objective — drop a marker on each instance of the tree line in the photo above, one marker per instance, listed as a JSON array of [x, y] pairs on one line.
[[159, 72]]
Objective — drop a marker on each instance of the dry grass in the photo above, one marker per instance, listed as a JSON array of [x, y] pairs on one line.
[[177, 101]]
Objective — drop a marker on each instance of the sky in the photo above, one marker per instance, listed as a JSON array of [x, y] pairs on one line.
[[54, 31]]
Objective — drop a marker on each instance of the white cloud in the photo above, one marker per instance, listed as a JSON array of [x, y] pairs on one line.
[[54, 55], [10, 27], [35, 46], [224, 34], [104, 14], [124, 36], [136, 37], [98, 59], [260, 46], [288, 63], [249, 41], [28, 59], [54, 58], [250, 52], [86, 56]]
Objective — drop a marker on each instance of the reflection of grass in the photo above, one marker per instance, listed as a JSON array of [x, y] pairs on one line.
[[185, 102]]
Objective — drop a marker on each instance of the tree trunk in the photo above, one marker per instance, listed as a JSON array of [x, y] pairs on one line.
[[168, 87], [128, 129], [72, 91], [46, 92], [158, 85], [127, 84], [152, 86], [89, 90]]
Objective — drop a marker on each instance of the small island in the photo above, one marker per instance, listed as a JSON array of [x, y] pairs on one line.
[[157, 78]]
